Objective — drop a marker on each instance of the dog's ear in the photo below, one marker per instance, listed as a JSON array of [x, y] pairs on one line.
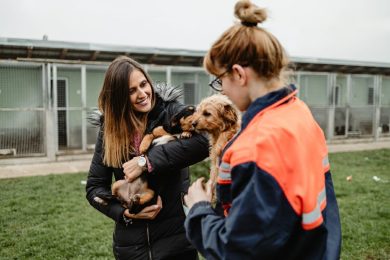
[[174, 121], [188, 111], [230, 114], [191, 109]]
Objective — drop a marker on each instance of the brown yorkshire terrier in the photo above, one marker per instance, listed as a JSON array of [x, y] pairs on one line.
[[221, 119]]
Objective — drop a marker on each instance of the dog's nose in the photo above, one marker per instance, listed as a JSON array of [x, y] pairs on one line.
[[194, 123]]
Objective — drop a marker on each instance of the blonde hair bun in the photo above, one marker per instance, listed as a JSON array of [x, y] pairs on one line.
[[249, 13]]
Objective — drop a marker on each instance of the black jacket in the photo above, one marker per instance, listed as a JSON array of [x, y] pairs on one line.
[[165, 235]]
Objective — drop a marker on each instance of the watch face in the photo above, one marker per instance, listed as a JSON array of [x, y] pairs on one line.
[[141, 161]]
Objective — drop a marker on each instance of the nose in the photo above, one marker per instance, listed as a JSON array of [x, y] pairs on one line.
[[194, 123], [141, 92]]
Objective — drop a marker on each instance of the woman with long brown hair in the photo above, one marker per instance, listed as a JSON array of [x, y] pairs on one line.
[[274, 183], [130, 107]]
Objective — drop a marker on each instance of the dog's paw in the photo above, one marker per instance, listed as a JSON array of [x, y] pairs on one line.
[[163, 140], [144, 146], [185, 135], [136, 199]]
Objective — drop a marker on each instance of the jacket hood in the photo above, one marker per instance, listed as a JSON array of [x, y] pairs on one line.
[[164, 91], [168, 93]]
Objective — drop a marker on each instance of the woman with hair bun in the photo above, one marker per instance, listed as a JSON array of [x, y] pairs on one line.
[[275, 196]]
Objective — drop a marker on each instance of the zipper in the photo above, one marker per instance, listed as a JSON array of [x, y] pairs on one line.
[[149, 246]]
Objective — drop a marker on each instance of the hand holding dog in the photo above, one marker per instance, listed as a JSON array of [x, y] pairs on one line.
[[149, 212], [198, 191], [132, 170]]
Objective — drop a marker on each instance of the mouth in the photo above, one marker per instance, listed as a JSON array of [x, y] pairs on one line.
[[143, 102], [197, 127], [188, 128]]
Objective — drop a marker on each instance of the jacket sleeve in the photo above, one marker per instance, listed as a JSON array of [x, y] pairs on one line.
[[99, 185], [256, 222], [180, 153]]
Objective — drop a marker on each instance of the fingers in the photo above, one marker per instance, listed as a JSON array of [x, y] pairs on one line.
[[131, 169], [158, 208], [187, 200], [151, 208], [128, 164], [199, 183], [196, 193], [128, 214], [159, 201], [154, 207], [150, 212], [209, 188]]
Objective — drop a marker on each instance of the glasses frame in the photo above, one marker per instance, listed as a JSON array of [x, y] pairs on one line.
[[216, 84]]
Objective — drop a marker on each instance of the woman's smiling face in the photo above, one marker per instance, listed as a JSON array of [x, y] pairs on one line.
[[140, 92]]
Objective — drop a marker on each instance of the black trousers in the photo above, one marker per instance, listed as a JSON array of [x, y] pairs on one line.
[[188, 255], [126, 253]]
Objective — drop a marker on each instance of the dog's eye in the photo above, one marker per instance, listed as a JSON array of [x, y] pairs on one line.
[[205, 113]]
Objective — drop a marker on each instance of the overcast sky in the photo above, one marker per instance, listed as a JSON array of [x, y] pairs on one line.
[[333, 29]]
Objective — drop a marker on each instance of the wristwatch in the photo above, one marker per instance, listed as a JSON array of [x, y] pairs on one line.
[[141, 161]]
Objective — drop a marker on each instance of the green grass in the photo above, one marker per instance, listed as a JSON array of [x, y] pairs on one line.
[[48, 217], [364, 203]]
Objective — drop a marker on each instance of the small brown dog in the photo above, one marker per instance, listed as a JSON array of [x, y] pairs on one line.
[[136, 195], [179, 126], [133, 195], [221, 119]]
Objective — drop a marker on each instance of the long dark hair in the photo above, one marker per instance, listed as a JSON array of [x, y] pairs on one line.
[[121, 122]]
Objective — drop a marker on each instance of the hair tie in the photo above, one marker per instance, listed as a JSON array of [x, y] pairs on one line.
[[249, 24]]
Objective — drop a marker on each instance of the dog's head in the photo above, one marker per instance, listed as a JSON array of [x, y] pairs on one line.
[[216, 114], [182, 121]]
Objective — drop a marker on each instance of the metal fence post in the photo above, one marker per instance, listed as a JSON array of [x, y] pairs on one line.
[[50, 117], [84, 108]]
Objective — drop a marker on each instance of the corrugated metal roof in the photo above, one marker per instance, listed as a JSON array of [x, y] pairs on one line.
[[26, 49]]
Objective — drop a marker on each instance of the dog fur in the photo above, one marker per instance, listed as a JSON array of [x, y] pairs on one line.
[[179, 126], [136, 194], [220, 118], [133, 195]]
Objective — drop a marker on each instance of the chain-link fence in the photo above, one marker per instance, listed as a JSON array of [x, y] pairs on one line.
[[22, 110], [44, 106]]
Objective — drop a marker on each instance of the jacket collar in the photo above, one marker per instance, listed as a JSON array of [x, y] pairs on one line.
[[164, 95], [265, 101]]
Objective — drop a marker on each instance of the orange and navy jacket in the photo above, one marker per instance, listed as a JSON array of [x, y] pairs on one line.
[[274, 189]]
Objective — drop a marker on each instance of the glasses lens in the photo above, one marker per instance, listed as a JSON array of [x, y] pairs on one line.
[[216, 84]]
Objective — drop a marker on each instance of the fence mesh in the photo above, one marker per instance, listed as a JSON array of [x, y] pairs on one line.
[[22, 116], [27, 107]]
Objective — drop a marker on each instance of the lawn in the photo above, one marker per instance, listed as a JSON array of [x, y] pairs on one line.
[[47, 217]]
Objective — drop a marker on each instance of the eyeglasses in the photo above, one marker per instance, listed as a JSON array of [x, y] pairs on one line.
[[216, 83]]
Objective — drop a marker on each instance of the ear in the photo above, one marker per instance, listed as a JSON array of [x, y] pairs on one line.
[[239, 74], [230, 114], [191, 108], [174, 121]]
